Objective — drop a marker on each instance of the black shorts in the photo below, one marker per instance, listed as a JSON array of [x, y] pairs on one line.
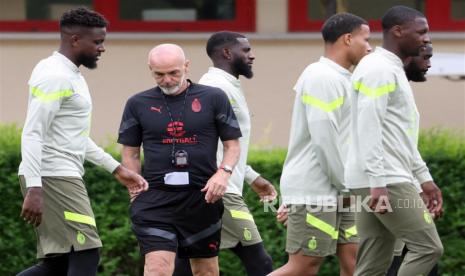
[[177, 221]]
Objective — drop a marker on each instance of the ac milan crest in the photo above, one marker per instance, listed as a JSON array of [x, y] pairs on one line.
[[196, 106]]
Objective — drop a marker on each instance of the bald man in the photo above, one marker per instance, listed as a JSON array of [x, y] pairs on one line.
[[178, 123]]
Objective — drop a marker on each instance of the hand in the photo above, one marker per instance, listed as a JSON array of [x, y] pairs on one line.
[[133, 181], [132, 196], [432, 197], [32, 206], [282, 214], [216, 186], [264, 189], [379, 201]]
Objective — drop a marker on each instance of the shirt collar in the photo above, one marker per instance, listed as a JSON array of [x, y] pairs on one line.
[[390, 56], [335, 66], [66, 61], [226, 75]]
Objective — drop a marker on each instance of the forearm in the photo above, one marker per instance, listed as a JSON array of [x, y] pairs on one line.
[[231, 152], [99, 157], [250, 175], [216, 185], [420, 170], [132, 164], [325, 140], [31, 154], [370, 141], [372, 161], [131, 159], [128, 172], [38, 120]]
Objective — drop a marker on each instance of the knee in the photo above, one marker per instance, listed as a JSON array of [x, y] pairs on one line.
[[312, 269], [432, 252], [297, 268], [347, 266], [43, 269], [262, 265], [205, 270], [158, 266], [309, 268]]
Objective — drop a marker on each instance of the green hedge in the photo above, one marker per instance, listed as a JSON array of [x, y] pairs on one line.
[[443, 151]]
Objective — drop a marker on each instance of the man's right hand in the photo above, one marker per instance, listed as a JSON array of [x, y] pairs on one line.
[[134, 182], [216, 186], [264, 189], [282, 214], [32, 206], [379, 201], [432, 197]]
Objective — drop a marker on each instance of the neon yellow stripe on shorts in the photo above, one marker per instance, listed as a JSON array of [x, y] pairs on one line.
[[79, 218], [352, 231], [241, 215], [48, 97], [323, 226], [325, 106]]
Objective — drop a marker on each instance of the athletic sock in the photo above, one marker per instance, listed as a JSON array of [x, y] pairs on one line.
[[255, 259]]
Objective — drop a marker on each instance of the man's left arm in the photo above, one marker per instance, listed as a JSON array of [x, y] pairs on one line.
[[229, 132], [264, 189], [133, 181], [216, 185]]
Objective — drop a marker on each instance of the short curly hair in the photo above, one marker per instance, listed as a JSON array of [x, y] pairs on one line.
[[340, 24], [399, 15], [82, 17], [221, 39]]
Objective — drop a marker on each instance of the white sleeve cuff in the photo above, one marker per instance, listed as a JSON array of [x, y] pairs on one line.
[[417, 186], [424, 177], [251, 176], [35, 181], [110, 164]]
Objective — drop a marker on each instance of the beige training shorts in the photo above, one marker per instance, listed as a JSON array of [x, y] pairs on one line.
[[317, 231], [238, 223], [67, 217]]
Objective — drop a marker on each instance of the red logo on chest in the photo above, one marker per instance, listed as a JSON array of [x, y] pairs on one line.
[[176, 129], [196, 106]]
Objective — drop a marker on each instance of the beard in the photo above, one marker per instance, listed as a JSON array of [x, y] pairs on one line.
[[415, 52], [88, 61], [242, 68], [414, 73], [173, 89]]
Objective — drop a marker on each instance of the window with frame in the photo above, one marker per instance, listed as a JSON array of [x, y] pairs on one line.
[[134, 15], [309, 15]]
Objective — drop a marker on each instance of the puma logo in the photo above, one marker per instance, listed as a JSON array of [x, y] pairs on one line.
[[157, 109], [213, 246]]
